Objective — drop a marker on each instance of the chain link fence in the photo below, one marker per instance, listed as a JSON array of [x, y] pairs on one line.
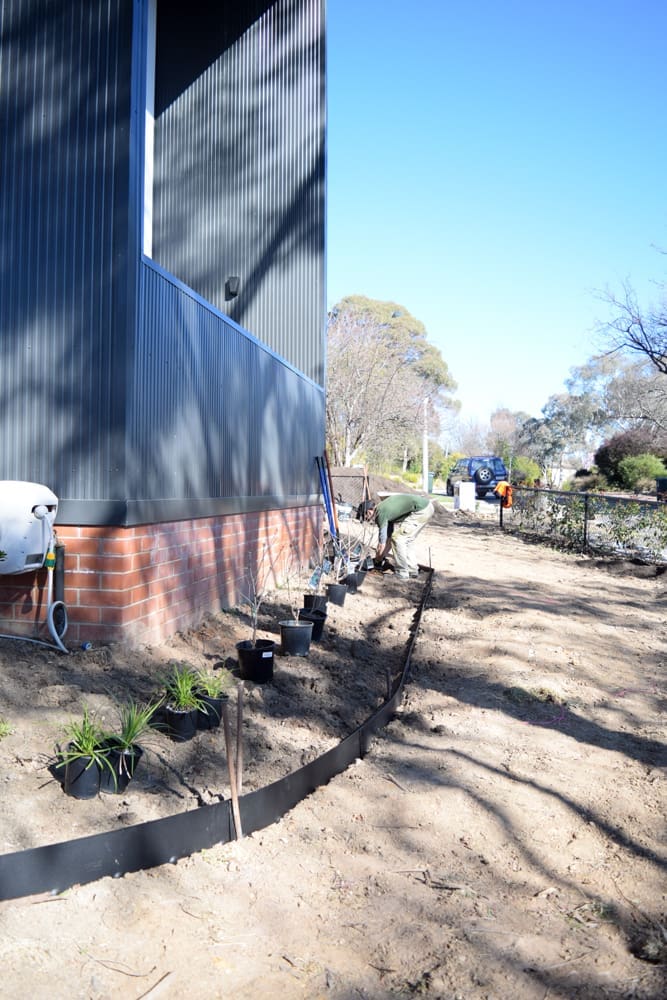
[[591, 522]]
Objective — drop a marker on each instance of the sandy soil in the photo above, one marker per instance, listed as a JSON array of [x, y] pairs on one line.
[[504, 838]]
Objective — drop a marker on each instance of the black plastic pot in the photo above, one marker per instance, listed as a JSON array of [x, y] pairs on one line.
[[115, 777], [256, 662], [181, 724], [81, 778], [317, 618], [336, 593], [315, 602], [295, 637], [209, 716]]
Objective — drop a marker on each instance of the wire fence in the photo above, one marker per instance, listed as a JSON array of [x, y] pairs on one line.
[[591, 522]]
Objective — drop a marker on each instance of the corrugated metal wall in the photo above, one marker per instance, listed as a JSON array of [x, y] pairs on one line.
[[125, 393], [239, 167], [215, 415], [64, 109]]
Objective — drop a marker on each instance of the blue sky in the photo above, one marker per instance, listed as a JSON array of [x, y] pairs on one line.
[[492, 166]]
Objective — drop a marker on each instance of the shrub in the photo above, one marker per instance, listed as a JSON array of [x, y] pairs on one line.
[[637, 472], [635, 442], [525, 471]]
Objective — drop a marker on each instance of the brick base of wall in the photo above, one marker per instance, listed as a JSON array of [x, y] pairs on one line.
[[143, 584]]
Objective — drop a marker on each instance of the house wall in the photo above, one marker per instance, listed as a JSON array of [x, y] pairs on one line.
[[143, 583], [145, 399], [239, 165]]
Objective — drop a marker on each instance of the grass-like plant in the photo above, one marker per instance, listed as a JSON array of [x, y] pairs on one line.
[[5, 729], [135, 720], [215, 684], [86, 739], [182, 688]]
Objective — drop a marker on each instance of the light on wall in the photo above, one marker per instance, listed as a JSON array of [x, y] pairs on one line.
[[232, 287]]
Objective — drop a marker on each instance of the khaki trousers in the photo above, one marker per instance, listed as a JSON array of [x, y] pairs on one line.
[[403, 537]]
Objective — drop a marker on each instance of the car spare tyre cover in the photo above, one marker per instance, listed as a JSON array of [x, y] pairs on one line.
[[484, 474]]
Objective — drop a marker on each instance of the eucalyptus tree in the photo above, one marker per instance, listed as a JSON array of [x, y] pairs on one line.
[[382, 373]]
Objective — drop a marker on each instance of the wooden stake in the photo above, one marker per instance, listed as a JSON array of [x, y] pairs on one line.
[[232, 771], [239, 739]]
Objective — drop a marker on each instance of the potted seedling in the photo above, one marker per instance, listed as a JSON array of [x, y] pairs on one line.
[[213, 688], [85, 758], [135, 721], [295, 632], [255, 655], [315, 599], [182, 702]]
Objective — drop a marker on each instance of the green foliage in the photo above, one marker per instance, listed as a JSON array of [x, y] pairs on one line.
[[5, 729], [182, 687], [636, 471], [637, 441], [603, 523], [134, 721], [86, 739], [215, 684], [381, 371], [525, 470], [592, 482]]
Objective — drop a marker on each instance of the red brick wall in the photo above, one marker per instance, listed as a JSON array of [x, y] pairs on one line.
[[143, 584]]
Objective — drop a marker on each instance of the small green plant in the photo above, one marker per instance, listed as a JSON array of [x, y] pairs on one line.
[[182, 687], [86, 739], [5, 729], [215, 684], [134, 721]]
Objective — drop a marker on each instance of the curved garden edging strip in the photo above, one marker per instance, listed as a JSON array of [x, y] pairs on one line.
[[56, 867]]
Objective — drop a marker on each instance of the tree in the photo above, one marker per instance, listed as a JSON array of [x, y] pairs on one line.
[[505, 434], [380, 371], [627, 391], [564, 428], [642, 331]]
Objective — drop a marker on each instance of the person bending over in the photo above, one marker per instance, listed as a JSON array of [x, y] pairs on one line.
[[399, 519]]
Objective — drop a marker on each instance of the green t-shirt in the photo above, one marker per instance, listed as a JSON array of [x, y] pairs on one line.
[[396, 508]]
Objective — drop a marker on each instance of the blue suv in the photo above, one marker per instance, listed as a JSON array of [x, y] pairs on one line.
[[485, 471]]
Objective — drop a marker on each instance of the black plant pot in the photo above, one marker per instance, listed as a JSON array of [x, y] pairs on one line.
[[181, 724], [318, 619], [115, 777], [256, 662], [355, 580], [209, 716], [336, 593], [81, 778], [315, 602], [295, 637]]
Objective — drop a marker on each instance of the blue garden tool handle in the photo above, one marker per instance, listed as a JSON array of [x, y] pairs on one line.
[[326, 495]]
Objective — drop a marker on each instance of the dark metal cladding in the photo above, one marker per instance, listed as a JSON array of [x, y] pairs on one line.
[[130, 386]]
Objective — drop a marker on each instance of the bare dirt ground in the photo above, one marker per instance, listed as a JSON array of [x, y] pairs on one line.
[[504, 838]]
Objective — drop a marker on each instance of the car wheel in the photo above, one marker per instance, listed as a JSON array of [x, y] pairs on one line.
[[483, 475]]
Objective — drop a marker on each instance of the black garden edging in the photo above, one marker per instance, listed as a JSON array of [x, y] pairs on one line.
[[57, 867]]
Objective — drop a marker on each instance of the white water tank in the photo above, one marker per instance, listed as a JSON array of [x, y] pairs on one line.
[[27, 514]]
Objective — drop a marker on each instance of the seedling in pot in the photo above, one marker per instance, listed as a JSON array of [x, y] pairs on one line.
[[86, 739], [215, 684], [135, 720], [80, 765], [254, 592], [182, 687]]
